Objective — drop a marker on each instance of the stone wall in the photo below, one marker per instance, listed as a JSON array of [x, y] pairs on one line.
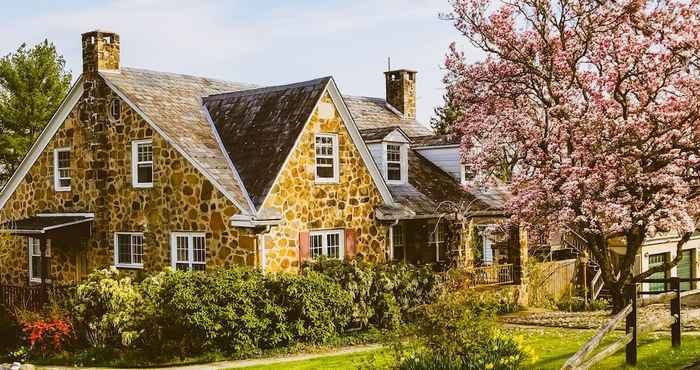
[[182, 199], [305, 205]]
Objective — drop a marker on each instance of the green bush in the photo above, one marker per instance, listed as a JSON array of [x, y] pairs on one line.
[[11, 332], [316, 308], [494, 301], [229, 310], [453, 336], [106, 309], [383, 294]]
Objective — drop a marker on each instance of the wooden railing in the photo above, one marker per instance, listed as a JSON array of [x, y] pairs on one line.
[[31, 298], [632, 331], [597, 284], [493, 275]]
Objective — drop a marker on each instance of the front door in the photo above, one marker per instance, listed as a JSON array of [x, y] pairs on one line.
[[656, 260], [685, 268]]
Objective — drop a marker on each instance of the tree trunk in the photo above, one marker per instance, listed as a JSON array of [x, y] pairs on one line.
[[618, 299]]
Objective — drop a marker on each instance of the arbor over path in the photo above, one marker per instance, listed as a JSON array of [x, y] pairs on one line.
[[590, 109]]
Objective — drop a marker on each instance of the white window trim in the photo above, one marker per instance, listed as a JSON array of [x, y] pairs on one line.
[[324, 243], [404, 162], [134, 164], [30, 255], [190, 249], [116, 251], [391, 241], [433, 240], [336, 161], [56, 176]]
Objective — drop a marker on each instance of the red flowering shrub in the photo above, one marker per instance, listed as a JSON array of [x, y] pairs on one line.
[[48, 336]]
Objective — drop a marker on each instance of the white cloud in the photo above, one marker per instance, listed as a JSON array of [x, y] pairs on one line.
[[263, 42]]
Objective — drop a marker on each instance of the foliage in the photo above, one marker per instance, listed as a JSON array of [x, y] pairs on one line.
[[11, 331], [495, 301], [316, 308], [446, 116], [383, 294], [107, 309], [230, 310], [451, 335], [578, 304], [33, 82], [594, 108], [476, 243], [48, 336]]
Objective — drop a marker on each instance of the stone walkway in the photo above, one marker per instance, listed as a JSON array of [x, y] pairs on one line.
[[246, 363]]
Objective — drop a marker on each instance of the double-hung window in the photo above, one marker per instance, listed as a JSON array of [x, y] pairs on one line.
[[189, 251], [327, 166], [327, 243], [128, 250], [398, 243], [61, 169], [437, 239], [395, 163], [35, 262], [142, 163]]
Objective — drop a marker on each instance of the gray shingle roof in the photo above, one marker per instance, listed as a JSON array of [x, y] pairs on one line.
[[173, 103], [259, 128], [372, 113]]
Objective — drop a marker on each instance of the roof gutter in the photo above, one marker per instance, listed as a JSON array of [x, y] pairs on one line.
[[241, 220]]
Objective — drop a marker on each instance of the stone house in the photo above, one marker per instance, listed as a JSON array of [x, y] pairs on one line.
[[145, 170]]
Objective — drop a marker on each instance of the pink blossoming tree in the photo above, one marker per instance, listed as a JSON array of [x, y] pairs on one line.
[[592, 108]]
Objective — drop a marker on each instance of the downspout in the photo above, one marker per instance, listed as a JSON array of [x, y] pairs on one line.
[[390, 252], [261, 247]]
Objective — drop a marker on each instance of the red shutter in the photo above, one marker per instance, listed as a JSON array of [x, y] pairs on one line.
[[304, 252], [350, 247]]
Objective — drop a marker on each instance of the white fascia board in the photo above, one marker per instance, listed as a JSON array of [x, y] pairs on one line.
[[351, 126], [247, 221], [69, 102], [172, 142]]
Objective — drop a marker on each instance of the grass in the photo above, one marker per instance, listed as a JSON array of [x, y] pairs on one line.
[[553, 347]]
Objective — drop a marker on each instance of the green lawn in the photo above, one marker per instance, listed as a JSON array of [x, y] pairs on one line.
[[553, 347]]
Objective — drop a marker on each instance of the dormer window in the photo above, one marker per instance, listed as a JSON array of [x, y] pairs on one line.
[[396, 163], [327, 166], [466, 174]]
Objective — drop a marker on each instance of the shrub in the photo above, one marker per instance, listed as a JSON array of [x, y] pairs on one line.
[[383, 294], [106, 309], [48, 337], [11, 331], [578, 304], [453, 336], [494, 301], [230, 310], [316, 308]]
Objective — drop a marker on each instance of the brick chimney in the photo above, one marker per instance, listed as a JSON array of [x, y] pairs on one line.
[[100, 51], [401, 91]]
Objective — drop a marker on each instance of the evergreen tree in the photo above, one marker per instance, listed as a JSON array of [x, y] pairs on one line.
[[33, 82], [446, 116]]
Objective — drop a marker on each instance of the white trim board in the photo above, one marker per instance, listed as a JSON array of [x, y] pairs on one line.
[[64, 110]]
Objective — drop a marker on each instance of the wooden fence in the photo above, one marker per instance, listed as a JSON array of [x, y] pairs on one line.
[[31, 298], [552, 280], [493, 275], [581, 359]]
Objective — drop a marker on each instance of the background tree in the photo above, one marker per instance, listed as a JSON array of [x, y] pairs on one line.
[[33, 82], [597, 104], [445, 116]]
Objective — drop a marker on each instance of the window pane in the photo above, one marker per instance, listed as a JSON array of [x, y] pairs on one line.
[[324, 172], [124, 249], [198, 249], [316, 246], [182, 252], [333, 243], [36, 267], [64, 159], [145, 173], [198, 267], [145, 152], [393, 153], [393, 171], [137, 249], [182, 266]]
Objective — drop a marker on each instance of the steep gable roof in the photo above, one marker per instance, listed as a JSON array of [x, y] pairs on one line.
[[370, 113], [258, 128], [172, 103]]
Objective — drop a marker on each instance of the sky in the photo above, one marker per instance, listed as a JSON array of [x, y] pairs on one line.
[[262, 42]]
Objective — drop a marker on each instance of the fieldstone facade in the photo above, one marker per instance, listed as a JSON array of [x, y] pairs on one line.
[[181, 199], [306, 205]]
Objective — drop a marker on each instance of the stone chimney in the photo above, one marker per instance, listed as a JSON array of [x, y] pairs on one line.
[[401, 91], [100, 51]]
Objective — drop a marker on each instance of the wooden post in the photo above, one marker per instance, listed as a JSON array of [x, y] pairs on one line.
[[631, 324], [42, 269], [676, 312]]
